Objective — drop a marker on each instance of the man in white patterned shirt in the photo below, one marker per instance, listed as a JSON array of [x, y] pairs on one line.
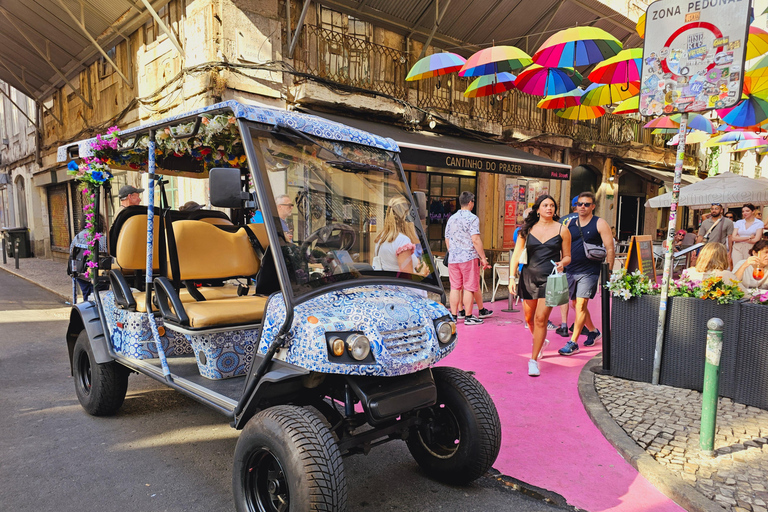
[[462, 239]]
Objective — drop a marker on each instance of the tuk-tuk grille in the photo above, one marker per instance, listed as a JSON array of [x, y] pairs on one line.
[[403, 342]]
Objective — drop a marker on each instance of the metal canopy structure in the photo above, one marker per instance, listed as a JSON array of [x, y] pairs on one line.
[[44, 44], [522, 23]]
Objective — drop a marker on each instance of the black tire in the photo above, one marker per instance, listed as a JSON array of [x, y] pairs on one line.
[[460, 436], [100, 388], [287, 460]]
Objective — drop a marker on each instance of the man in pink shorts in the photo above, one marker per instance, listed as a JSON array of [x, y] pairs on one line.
[[462, 239]]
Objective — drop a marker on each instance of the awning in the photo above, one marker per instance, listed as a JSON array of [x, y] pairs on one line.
[[436, 150], [661, 176]]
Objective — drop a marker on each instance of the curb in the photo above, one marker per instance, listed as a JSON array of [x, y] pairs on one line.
[[58, 294], [664, 480]]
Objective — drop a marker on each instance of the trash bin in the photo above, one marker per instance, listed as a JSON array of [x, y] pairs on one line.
[[20, 234]]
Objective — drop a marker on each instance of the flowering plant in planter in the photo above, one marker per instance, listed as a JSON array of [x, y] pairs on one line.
[[714, 288], [628, 285], [760, 297], [684, 287]]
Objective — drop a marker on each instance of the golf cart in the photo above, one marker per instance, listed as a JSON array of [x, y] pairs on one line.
[[298, 336]]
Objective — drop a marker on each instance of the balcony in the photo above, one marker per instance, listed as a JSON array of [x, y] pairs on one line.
[[358, 63]]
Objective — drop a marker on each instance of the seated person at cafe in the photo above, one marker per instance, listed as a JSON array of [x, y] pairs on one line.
[[677, 241], [712, 262], [752, 272]]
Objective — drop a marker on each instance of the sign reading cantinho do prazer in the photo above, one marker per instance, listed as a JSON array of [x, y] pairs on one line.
[[693, 58]]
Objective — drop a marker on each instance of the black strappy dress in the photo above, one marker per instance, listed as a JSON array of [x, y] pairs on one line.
[[533, 279]]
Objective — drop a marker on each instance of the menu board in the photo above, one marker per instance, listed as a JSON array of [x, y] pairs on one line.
[[640, 256], [693, 55]]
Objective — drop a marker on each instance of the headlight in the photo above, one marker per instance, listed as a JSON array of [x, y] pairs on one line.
[[359, 346], [445, 330], [336, 345]]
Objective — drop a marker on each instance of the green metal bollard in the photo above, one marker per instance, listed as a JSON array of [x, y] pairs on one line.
[[711, 378]]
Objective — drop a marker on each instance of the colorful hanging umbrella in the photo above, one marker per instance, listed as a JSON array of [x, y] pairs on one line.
[[607, 94], [640, 27], [695, 122], [730, 138], [490, 84], [622, 68], [565, 100], [746, 145], [749, 112], [757, 43], [692, 137], [435, 65], [494, 60], [628, 106], [577, 46], [580, 113], [541, 81]]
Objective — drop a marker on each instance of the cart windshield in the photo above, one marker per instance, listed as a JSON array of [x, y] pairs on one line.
[[342, 211]]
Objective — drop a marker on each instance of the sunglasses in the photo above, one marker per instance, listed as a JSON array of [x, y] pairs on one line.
[[583, 204]]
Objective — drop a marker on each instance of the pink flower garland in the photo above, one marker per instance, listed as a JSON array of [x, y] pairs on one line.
[[92, 237]]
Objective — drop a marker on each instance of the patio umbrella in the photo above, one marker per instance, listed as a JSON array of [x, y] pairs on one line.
[[757, 43], [577, 46], [607, 94], [494, 60], [580, 113], [622, 68], [726, 188], [565, 100], [435, 65], [541, 81], [628, 106], [490, 84]]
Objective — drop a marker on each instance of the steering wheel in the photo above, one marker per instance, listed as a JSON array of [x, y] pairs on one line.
[[336, 235]]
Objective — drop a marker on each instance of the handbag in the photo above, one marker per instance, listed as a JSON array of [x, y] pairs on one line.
[[592, 251], [524, 257], [445, 259], [556, 291], [376, 263]]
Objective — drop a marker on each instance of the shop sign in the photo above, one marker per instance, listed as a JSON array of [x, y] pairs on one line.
[[479, 164], [693, 55]]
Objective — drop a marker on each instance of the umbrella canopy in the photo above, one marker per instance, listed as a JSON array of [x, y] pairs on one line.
[[695, 122], [749, 112], [490, 84], [726, 188], [730, 138], [577, 46], [746, 145], [607, 94], [541, 81], [494, 60], [640, 27], [580, 113], [565, 100], [622, 68], [757, 43], [435, 65], [628, 106], [761, 67], [692, 137]]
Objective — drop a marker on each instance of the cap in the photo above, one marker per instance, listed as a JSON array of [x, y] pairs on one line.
[[574, 201], [127, 190]]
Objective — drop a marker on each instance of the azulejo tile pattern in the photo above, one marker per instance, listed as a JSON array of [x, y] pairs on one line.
[[134, 338], [223, 355], [377, 311]]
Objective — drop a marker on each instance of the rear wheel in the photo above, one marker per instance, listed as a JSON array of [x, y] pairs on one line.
[[100, 388], [460, 436], [286, 459]]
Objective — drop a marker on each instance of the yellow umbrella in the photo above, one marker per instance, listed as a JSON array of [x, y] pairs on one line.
[[628, 106], [757, 43], [597, 94], [691, 136], [640, 27], [580, 113]]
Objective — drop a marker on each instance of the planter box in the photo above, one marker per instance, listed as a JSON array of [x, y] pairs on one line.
[[685, 340], [752, 357], [633, 336]]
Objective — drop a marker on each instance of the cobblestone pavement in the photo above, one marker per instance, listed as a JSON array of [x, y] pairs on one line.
[[665, 422]]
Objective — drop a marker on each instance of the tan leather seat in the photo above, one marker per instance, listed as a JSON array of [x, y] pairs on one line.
[[227, 291], [131, 247], [232, 311]]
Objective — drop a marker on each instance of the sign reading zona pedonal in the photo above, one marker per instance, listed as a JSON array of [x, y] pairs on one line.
[[693, 57]]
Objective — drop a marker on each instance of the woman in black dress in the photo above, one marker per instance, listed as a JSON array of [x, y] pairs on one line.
[[544, 240]]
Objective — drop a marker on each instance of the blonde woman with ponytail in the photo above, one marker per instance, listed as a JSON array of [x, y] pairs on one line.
[[397, 242]]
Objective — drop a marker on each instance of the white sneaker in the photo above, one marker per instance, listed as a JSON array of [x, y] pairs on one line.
[[533, 368], [543, 346]]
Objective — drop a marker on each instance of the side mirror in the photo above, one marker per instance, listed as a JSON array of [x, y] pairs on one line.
[[225, 187]]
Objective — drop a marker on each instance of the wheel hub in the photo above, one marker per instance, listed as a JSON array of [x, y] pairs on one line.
[[266, 485]]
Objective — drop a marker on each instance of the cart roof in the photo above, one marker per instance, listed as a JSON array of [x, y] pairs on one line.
[[309, 124]]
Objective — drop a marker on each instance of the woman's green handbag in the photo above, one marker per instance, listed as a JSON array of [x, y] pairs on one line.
[[557, 289]]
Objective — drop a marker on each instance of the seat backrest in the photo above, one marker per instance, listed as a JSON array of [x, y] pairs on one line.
[[207, 252], [261, 234], [217, 221], [131, 247]]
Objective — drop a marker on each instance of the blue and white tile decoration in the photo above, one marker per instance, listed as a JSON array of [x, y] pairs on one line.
[[377, 311], [223, 355]]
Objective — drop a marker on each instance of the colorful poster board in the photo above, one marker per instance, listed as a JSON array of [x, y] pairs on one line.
[[641, 257], [693, 55]]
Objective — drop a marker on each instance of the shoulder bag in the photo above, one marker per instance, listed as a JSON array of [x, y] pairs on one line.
[[592, 251]]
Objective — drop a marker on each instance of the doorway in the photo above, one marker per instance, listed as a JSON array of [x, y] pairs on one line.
[[21, 202], [631, 216]]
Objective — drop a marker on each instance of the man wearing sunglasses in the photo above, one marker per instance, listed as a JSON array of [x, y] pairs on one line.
[[584, 273]]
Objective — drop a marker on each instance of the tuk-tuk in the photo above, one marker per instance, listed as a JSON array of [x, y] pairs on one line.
[[305, 337]]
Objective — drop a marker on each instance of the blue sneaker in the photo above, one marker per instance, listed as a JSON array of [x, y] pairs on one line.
[[592, 337], [569, 349]]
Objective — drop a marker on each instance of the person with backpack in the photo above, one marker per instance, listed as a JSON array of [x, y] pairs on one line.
[[78, 257]]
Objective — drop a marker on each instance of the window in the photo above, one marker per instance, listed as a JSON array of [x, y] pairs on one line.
[[152, 30], [105, 68]]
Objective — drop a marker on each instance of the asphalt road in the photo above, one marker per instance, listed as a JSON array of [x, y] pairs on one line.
[[162, 451]]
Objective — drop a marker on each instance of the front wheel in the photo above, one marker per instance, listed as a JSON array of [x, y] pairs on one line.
[[287, 460], [100, 388], [460, 436]]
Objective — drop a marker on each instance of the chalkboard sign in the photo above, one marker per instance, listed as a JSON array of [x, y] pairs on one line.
[[640, 256]]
